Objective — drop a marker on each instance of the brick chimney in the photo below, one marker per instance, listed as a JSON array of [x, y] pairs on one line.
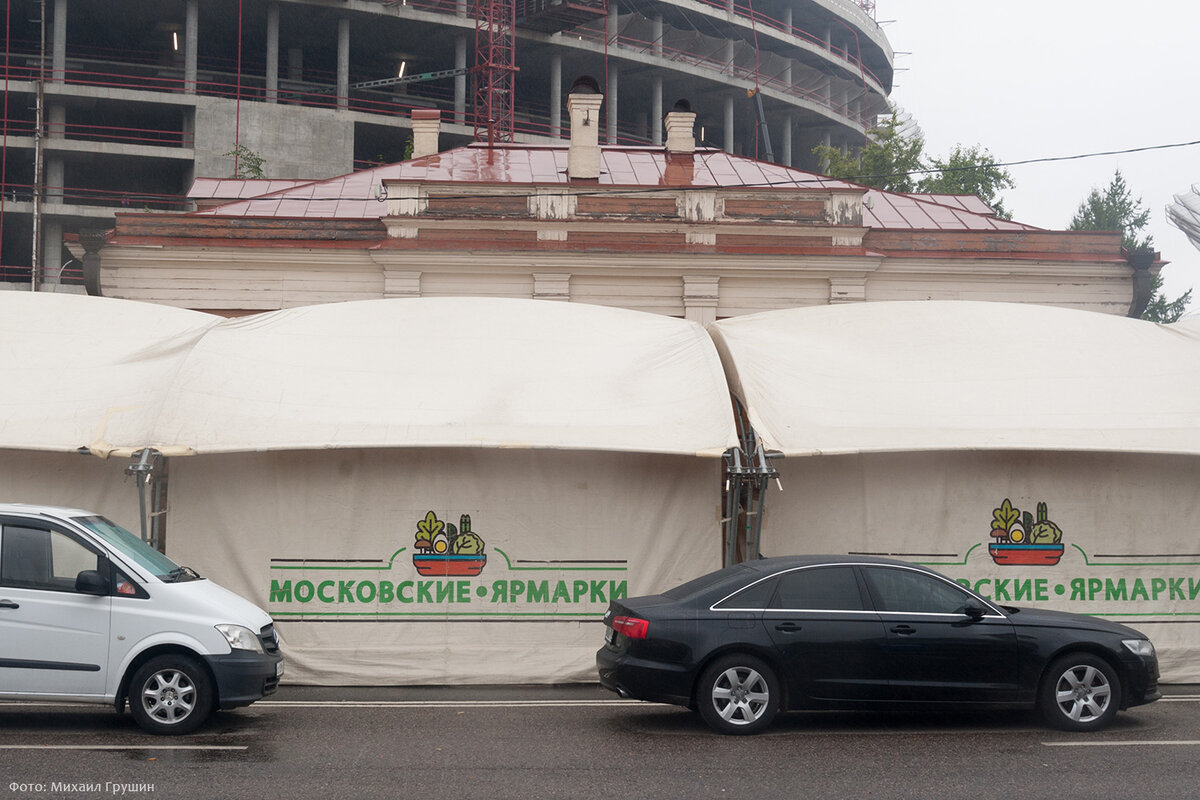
[[426, 125], [680, 123], [583, 105]]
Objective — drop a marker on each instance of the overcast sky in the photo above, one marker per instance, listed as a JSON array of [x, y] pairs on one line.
[[1059, 78]]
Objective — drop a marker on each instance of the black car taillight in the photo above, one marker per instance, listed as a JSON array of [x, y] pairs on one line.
[[632, 627]]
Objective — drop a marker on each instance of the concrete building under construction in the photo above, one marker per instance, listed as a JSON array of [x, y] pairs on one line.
[[119, 106]]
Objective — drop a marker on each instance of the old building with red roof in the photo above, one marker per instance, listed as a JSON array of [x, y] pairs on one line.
[[678, 230]]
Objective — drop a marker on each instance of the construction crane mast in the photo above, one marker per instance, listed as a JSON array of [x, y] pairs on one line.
[[495, 69]]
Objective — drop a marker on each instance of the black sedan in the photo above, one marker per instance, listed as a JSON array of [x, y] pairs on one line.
[[848, 632]]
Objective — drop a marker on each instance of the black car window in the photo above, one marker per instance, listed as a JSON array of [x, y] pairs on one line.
[[914, 592], [36, 558], [756, 596], [819, 589]]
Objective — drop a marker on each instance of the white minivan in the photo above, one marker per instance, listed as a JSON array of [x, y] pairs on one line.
[[91, 613]]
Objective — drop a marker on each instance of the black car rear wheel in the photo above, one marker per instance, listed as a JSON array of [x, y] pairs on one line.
[[738, 694], [1080, 692]]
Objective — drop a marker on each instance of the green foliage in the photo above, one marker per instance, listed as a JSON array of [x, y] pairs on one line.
[[895, 156], [247, 163], [969, 170], [888, 161], [1114, 209], [1160, 308]]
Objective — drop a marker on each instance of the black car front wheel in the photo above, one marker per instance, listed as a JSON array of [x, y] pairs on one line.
[[1080, 692], [738, 694]]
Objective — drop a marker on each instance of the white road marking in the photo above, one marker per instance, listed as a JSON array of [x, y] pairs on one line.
[[1128, 743], [123, 747]]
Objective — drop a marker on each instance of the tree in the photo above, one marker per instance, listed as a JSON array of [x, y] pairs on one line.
[[247, 163], [889, 160], [969, 170], [894, 157], [1114, 208]]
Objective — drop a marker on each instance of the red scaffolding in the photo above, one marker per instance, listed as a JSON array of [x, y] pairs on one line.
[[495, 69]]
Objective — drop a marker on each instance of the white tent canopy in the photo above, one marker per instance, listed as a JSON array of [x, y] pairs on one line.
[[881, 377], [116, 376], [84, 371]]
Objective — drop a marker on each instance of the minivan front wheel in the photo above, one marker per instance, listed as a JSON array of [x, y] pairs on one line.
[[1080, 692], [170, 695]]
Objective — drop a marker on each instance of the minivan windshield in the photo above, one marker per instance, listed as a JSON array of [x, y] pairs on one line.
[[133, 548]]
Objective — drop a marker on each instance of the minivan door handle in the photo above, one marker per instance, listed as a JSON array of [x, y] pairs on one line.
[[788, 627], [904, 630], [8, 604]]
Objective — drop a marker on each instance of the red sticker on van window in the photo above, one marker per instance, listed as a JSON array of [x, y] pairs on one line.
[[125, 587]]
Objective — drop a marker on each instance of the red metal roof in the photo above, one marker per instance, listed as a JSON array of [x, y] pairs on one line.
[[360, 195]]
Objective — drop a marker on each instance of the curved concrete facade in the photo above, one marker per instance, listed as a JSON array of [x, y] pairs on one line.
[[139, 97]]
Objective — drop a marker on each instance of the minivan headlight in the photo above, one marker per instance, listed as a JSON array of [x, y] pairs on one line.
[[240, 638], [1139, 647]]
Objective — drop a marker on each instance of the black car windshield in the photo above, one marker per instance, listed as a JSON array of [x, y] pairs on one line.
[[736, 573]]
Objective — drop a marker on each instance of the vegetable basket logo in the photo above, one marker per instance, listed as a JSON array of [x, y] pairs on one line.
[[444, 550], [1018, 540]]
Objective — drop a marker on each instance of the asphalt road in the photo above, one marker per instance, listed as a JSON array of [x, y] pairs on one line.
[[581, 742]]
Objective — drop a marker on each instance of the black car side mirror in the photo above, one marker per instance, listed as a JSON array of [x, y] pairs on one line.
[[90, 581], [975, 611]]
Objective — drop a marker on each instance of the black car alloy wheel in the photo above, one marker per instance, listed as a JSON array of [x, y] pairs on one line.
[[1080, 692], [738, 694]]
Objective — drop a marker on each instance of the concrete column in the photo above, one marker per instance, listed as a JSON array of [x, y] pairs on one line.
[[656, 112], [272, 52], [54, 179], [191, 45], [614, 82], [461, 8], [728, 57], [58, 59], [656, 31], [785, 147], [728, 147], [460, 81], [52, 252], [556, 96], [343, 64], [295, 71], [787, 20], [56, 121]]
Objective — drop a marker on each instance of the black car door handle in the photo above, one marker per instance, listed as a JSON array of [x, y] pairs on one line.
[[788, 627], [8, 604], [904, 630]]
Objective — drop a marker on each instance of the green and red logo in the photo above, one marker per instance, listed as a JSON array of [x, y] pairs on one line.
[[442, 549], [1018, 539]]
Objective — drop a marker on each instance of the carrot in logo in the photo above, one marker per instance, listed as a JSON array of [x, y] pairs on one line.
[[1018, 540], [444, 550]]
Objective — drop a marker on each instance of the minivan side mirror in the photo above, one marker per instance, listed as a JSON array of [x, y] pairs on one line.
[[90, 581]]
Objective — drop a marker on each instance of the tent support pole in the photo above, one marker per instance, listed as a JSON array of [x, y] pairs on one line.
[[149, 469], [747, 474]]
